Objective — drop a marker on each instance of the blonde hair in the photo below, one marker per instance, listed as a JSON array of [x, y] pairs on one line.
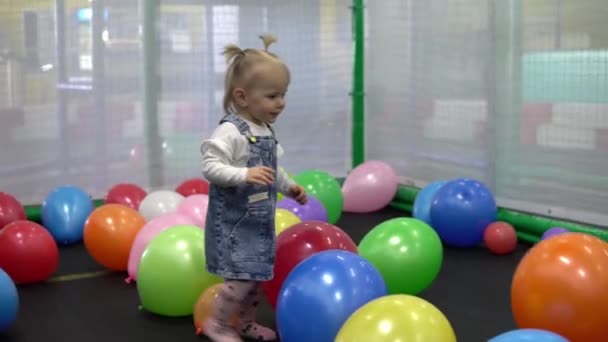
[[240, 62]]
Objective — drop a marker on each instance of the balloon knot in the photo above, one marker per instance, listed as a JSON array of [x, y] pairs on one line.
[[128, 280], [199, 331], [140, 307]]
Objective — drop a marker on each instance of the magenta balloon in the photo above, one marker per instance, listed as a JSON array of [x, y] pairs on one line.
[[370, 186], [313, 210]]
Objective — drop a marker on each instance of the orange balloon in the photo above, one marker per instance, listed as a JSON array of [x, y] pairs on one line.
[[561, 285], [204, 306], [109, 233]]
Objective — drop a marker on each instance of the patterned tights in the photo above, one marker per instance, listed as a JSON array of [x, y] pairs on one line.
[[242, 297]]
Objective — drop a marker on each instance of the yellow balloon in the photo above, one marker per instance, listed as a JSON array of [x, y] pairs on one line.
[[397, 318], [284, 219]]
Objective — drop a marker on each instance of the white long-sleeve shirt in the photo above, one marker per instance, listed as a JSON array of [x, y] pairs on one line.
[[226, 152]]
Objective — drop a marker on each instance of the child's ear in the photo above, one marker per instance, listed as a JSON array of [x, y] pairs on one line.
[[240, 97]]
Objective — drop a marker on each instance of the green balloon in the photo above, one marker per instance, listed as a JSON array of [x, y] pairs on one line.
[[326, 189], [171, 274], [406, 251]]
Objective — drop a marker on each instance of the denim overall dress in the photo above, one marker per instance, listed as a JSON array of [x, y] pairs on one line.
[[239, 232]]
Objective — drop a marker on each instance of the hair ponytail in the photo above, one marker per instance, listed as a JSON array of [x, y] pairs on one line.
[[267, 39], [231, 51]]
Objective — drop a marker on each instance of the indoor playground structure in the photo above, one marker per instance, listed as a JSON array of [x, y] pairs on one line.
[[454, 152]]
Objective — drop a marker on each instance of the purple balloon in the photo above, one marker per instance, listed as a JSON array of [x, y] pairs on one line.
[[313, 210], [554, 231]]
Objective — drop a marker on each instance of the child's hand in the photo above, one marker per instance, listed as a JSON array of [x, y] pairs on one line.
[[298, 193], [261, 175]]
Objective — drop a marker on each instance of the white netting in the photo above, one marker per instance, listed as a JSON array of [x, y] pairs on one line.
[[513, 93], [93, 132]]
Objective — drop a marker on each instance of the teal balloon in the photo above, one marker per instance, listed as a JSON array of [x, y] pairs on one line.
[[424, 199], [172, 274], [326, 189], [407, 252]]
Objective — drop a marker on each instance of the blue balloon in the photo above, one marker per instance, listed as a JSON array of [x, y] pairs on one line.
[[322, 291], [9, 301], [64, 213], [461, 211], [529, 335], [422, 203]]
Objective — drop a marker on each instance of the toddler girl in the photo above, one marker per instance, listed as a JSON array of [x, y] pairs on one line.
[[240, 163]]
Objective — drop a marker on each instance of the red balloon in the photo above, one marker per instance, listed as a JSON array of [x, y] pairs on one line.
[[297, 243], [10, 209], [127, 194], [194, 186], [500, 238], [28, 252]]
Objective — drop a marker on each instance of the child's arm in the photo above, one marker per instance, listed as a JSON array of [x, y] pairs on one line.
[[284, 183], [218, 156], [289, 188]]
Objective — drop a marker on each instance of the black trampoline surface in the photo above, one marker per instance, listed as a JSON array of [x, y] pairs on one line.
[[472, 290]]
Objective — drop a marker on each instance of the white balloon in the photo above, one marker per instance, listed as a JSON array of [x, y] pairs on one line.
[[160, 202]]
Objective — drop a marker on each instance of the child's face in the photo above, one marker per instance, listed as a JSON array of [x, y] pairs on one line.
[[265, 97]]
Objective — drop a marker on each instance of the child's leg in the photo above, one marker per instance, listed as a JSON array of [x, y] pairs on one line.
[[248, 327], [229, 300]]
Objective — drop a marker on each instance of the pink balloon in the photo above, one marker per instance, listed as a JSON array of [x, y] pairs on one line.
[[147, 233], [369, 187], [195, 207]]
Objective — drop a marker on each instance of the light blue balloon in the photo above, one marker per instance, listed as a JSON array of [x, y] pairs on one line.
[[424, 198], [529, 335], [9, 301], [322, 291], [64, 213]]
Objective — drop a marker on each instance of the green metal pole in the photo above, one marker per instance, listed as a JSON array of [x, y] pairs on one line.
[[151, 82], [358, 92], [529, 238], [407, 207], [539, 225]]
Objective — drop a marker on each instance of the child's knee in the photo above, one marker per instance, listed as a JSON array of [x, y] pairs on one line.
[[240, 289]]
